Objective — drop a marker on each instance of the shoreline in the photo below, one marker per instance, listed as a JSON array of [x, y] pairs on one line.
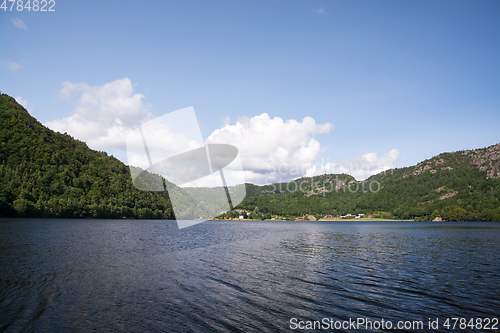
[[322, 220]]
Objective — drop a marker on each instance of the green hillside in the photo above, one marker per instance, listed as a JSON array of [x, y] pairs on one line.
[[463, 185], [48, 174], [459, 186], [317, 196]]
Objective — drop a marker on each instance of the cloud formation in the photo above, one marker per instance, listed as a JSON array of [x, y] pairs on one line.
[[27, 104], [19, 23], [271, 148], [11, 65], [274, 150], [22, 101], [104, 115], [360, 167]]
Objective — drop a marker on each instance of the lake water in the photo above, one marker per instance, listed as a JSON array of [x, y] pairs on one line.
[[231, 276]]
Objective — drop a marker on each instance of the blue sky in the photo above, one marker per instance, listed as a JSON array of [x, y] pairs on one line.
[[391, 82]]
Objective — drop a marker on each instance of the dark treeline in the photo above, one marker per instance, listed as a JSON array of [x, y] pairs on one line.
[[48, 174]]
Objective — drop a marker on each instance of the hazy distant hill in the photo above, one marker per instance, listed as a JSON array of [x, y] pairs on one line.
[[48, 174]]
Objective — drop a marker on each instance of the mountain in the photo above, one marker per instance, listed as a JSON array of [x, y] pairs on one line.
[[458, 186], [463, 185], [48, 174]]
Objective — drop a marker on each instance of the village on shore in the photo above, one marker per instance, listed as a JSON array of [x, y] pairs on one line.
[[246, 216]]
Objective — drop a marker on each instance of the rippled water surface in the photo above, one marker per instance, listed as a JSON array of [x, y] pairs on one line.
[[221, 276]]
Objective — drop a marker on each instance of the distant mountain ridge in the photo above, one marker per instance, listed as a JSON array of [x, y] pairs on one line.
[[463, 185], [48, 174]]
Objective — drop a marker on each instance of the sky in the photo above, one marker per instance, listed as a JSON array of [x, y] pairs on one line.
[[300, 87]]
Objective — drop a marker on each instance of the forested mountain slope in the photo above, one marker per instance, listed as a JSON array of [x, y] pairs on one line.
[[462, 185], [48, 174]]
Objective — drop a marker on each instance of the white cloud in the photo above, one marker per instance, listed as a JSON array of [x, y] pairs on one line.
[[165, 136], [19, 23], [270, 148], [13, 66], [320, 11], [360, 167], [104, 115], [273, 150], [22, 101], [27, 105]]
